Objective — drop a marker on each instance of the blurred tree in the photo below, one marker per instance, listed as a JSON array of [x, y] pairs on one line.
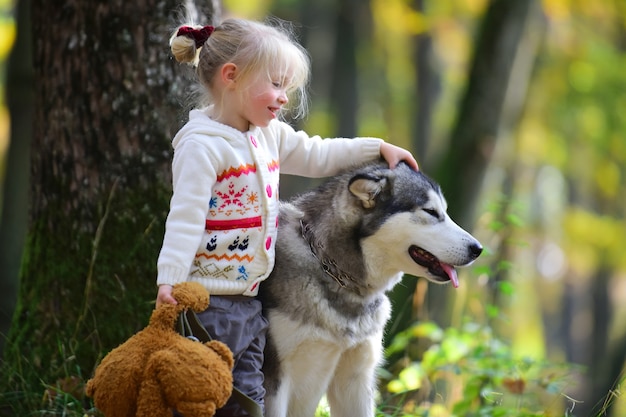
[[480, 123], [107, 102], [15, 192], [318, 28], [492, 91], [573, 152], [427, 86], [352, 16], [333, 33]]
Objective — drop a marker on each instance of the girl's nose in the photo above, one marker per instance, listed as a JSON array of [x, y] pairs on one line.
[[282, 99]]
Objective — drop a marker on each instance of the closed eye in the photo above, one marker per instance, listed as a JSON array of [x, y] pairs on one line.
[[432, 212]]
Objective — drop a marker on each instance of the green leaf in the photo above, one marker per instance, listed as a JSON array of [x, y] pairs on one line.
[[506, 287], [412, 376], [427, 329], [492, 311], [515, 220], [409, 379]]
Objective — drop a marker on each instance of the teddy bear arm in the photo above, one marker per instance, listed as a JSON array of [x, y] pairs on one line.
[[191, 295]]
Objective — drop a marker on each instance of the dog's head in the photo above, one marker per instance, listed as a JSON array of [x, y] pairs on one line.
[[405, 225]]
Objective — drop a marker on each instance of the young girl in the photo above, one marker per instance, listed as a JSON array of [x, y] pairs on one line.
[[221, 228]]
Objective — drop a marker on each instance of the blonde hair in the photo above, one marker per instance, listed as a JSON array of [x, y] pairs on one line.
[[256, 48]]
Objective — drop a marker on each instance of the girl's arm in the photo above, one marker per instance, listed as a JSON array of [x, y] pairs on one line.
[[193, 176], [308, 156]]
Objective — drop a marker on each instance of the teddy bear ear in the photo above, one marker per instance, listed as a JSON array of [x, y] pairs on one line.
[[223, 351]]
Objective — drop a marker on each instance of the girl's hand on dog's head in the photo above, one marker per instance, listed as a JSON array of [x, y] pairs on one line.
[[394, 154], [164, 296]]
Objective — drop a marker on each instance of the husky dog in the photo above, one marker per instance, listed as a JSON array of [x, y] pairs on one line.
[[340, 248]]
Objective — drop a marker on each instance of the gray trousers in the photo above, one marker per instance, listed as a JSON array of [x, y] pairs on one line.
[[238, 322]]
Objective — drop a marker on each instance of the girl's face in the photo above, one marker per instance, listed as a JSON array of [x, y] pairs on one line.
[[262, 101], [244, 102]]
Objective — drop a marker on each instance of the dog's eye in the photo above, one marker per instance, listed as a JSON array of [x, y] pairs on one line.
[[432, 212]]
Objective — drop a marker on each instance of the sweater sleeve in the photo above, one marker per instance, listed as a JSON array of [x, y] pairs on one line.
[[313, 156], [193, 177]]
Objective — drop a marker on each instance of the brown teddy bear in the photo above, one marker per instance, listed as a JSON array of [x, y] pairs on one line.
[[157, 370]]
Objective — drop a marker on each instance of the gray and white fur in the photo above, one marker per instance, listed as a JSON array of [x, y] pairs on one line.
[[340, 249]]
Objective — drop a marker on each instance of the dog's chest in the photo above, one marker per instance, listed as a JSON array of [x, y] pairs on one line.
[[348, 324]]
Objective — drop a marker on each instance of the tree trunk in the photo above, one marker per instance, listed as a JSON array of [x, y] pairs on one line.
[[481, 119], [334, 70], [107, 102], [493, 85], [343, 92], [427, 87], [426, 93], [591, 345], [479, 122]]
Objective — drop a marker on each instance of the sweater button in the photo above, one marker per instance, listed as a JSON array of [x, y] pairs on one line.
[[268, 243], [253, 140], [268, 190]]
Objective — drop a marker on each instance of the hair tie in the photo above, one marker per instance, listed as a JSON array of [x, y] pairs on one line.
[[199, 35]]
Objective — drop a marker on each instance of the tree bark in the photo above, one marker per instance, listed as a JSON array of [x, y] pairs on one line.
[[107, 102]]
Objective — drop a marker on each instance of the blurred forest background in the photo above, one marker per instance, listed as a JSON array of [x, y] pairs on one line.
[[517, 108]]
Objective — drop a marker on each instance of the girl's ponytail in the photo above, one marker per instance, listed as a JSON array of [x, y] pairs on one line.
[[185, 44]]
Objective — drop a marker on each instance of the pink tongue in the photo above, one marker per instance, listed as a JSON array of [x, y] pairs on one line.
[[451, 273]]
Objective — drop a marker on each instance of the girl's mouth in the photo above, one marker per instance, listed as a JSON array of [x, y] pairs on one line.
[[274, 110]]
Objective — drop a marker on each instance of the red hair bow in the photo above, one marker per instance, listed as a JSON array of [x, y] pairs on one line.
[[199, 35]]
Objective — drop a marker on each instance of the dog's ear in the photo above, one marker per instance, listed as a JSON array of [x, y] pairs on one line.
[[367, 187]]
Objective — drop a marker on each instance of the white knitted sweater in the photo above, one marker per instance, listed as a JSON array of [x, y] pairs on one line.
[[223, 217]]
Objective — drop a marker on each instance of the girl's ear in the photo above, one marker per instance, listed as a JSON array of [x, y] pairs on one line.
[[228, 74]]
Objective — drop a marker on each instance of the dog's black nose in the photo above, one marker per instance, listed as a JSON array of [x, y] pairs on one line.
[[475, 250]]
